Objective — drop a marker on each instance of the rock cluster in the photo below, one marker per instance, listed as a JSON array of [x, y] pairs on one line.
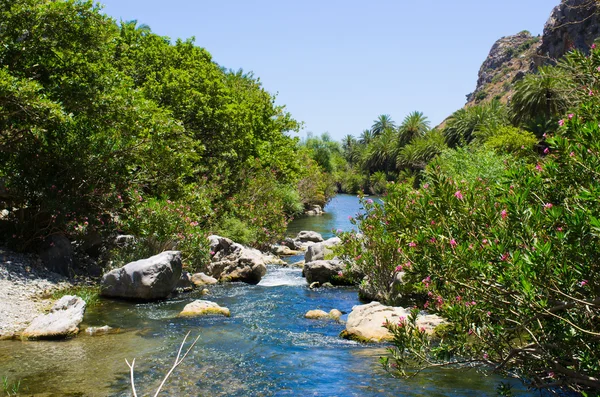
[[234, 262]]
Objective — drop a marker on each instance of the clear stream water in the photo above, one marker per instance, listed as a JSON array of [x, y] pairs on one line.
[[266, 347]]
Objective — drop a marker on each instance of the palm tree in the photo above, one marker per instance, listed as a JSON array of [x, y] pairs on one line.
[[413, 125], [366, 137], [381, 154], [463, 124], [544, 94], [383, 123]]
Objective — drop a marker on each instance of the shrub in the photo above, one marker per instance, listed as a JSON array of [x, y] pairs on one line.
[[512, 263]]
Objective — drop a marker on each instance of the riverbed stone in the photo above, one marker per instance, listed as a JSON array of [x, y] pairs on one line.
[[283, 250], [203, 308], [185, 283], [97, 331], [200, 279], [309, 236], [323, 271], [62, 321], [365, 322], [147, 279]]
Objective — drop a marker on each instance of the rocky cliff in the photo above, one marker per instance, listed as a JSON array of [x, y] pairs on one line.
[[573, 24]]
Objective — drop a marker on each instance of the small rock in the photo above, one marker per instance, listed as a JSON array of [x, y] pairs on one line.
[[203, 308], [205, 292], [96, 331], [199, 279], [316, 314], [314, 284]]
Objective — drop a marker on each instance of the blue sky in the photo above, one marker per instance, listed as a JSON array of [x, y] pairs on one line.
[[338, 64]]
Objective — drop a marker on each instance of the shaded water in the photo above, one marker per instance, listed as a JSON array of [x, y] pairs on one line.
[[266, 347]]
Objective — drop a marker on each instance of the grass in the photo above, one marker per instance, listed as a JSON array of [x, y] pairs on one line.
[[10, 388], [90, 294]]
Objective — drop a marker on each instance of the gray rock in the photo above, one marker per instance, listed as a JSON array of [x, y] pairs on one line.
[[314, 210], [147, 279], [322, 271], [57, 254], [365, 322], [62, 321], [234, 262], [292, 244], [573, 24], [283, 250], [309, 236]]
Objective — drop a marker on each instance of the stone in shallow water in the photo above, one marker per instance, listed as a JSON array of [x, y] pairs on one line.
[[62, 321], [365, 323], [203, 308], [318, 314]]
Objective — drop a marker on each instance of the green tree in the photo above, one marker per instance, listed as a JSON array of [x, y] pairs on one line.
[[383, 123], [414, 125]]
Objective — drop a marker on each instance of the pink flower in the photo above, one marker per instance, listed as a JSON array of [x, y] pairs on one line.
[[593, 46], [503, 214], [399, 268], [432, 222], [591, 93], [453, 242], [561, 122], [485, 356], [212, 252], [546, 151], [548, 206], [340, 274], [412, 244], [349, 218], [572, 154], [570, 116], [458, 195], [369, 201], [426, 186], [583, 283]]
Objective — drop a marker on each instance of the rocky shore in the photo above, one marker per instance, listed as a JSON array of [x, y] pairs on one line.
[[25, 291]]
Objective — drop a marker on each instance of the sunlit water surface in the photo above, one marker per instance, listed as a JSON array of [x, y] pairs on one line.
[[266, 347]]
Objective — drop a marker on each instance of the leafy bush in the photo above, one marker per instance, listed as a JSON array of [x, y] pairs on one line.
[[511, 262]]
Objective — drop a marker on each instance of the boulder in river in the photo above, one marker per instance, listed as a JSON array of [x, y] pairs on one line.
[[234, 262], [203, 308], [365, 322], [319, 251], [323, 271], [147, 279], [314, 210], [62, 321], [309, 236]]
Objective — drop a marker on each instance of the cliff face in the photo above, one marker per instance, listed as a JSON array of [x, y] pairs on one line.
[[573, 24], [509, 59]]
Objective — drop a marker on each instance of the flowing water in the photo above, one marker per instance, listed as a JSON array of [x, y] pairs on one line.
[[266, 347]]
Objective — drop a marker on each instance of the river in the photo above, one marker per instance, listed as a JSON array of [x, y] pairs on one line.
[[266, 347]]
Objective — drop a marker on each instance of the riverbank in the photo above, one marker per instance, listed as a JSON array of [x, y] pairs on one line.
[[25, 290]]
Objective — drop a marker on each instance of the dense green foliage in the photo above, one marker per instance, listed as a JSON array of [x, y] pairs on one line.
[[500, 241], [107, 127]]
